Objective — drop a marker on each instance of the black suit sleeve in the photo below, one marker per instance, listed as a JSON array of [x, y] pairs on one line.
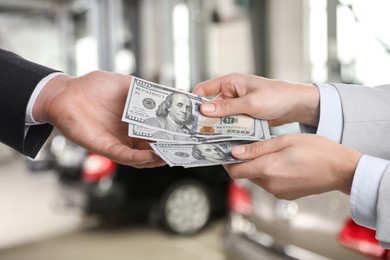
[[18, 79]]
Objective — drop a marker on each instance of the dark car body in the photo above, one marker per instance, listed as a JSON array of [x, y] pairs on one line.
[[164, 195]]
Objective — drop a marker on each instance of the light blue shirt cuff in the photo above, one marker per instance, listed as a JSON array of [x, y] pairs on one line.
[[365, 186], [331, 114]]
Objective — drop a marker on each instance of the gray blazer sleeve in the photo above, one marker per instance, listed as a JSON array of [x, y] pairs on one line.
[[366, 117]]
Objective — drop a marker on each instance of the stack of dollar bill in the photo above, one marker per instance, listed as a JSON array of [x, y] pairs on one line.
[[185, 137]]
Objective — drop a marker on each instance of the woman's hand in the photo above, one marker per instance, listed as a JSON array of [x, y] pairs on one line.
[[294, 166], [277, 101]]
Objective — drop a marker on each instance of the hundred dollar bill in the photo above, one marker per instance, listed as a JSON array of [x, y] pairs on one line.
[[196, 155], [161, 136], [177, 112]]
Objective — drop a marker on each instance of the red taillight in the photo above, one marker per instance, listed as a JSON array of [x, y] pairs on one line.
[[96, 167], [362, 240], [239, 199]]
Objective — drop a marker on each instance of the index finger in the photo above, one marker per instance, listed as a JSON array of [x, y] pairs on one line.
[[208, 88]]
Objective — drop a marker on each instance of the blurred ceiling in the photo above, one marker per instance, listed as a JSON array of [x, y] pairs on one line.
[[31, 4]]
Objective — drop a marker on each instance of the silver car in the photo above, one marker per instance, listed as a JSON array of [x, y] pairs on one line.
[[316, 227]]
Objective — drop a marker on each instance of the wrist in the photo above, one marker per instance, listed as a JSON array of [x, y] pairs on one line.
[[307, 104], [348, 164], [46, 98]]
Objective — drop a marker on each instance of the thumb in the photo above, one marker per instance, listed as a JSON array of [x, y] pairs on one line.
[[257, 149]]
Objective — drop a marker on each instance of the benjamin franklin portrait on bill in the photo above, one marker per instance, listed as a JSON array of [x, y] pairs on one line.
[[173, 114], [211, 153]]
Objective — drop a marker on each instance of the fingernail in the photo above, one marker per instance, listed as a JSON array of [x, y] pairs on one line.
[[208, 108], [238, 150]]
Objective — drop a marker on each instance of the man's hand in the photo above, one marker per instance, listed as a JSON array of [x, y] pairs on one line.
[[88, 111], [294, 166], [278, 101]]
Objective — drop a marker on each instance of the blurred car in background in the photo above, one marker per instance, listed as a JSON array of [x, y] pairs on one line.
[[69, 157], [45, 159], [314, 227], [181, 200]]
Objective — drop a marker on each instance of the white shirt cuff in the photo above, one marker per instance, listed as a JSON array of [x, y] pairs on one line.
[[365, 186], [29, 117], [331, 114]]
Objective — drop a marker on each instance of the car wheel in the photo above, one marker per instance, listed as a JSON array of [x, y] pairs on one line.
[[186, 208]]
